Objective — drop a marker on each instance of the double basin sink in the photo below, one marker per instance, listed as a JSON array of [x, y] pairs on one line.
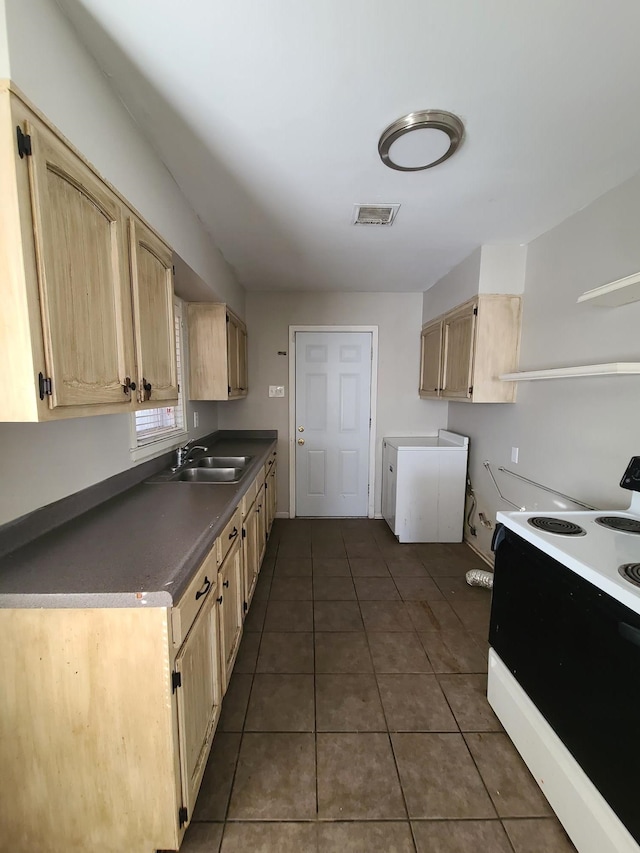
[[208, 469]]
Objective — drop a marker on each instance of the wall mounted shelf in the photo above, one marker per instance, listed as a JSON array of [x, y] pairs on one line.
[[619, 292], [614, 369]]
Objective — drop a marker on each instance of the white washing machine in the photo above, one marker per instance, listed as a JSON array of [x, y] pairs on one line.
[[423, 486]]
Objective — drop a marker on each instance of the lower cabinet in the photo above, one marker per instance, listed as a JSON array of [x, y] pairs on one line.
[[199, 696], [108, 714], [250, 555], [230, 599], [270, 486]]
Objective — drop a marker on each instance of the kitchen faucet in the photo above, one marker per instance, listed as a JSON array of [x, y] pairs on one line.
[[182, 453]]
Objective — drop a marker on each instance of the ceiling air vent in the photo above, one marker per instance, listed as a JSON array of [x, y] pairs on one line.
[[374, 214]]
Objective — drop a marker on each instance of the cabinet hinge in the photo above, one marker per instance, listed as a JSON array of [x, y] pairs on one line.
[[229, 387], [227, 318], [244, 533], [470, 390], [44, 386], [475, 310], [176, 681], [24, 143], [246, 607], [173, 270], [183, 815]]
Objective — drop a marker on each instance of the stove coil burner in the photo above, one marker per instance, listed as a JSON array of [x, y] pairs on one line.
[[556, 525], [617, 522], [630, 572]]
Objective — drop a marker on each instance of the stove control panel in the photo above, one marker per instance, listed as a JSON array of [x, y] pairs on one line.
[[631, 477]]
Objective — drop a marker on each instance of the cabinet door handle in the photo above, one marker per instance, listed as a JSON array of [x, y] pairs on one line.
[[391, 468], [234, 534], [219, 599], [225, 583], [206, 586], [147, 387]]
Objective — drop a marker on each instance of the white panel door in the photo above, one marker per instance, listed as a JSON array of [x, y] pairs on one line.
[[333, 394]]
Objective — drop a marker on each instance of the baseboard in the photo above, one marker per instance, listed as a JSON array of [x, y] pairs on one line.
[[282, 515]]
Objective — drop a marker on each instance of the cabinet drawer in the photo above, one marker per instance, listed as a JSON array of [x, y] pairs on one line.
[[203, 583], [231, 532]]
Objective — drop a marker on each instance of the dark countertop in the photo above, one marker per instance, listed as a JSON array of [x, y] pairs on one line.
[[139, 548]]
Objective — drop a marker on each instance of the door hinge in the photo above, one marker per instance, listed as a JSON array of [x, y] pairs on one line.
[[475, 310], [24, 143], [470, 390], [183, 815], [44, 386], [176, 681]]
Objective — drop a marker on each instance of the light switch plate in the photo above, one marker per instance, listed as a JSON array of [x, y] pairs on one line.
[[196, 419], [276, 390], [514, 455]]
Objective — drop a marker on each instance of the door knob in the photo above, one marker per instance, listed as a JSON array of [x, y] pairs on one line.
[[300, 429], [301, 441]]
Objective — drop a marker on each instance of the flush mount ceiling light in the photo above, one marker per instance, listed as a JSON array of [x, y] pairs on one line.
[[420, 140]]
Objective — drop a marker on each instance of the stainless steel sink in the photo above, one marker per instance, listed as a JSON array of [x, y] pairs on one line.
[[208, 475], [223, 461]]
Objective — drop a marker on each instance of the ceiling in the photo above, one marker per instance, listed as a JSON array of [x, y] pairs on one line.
[[268, 116]]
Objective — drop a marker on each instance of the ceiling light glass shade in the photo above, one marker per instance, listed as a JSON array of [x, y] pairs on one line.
[[440, 134]]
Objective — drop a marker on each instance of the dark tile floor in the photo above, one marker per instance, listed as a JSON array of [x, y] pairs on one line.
[[356, 717]]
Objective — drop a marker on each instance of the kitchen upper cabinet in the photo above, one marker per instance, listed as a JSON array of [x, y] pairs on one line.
[[217, 352], [464, 351], [152, 292], [66, 334], [430, 359]]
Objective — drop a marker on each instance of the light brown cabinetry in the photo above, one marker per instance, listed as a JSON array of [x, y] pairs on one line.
[[152, 292], [464, 351], [199, 696], [270, 487], [66, 336], [250, 554], [217, 352], [230, 600]]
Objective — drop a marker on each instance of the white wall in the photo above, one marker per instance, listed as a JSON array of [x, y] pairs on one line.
[[4, 42], [575, 435], [44, 462], [400, 411]]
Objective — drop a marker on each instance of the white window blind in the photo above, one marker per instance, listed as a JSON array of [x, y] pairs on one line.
[[156, 424]]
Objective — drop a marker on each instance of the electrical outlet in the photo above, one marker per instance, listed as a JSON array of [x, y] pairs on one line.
[[514, 455], [196, 419], [276, 390]]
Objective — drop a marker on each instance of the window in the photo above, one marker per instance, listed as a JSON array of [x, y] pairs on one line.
[[159, 429]]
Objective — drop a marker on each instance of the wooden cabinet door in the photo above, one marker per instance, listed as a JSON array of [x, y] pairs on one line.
[[152, 289], [230, 599], [199, 697], [236, 357], [261, 512], [82, 277], [270, 488], [431, 360], [243, 376], [232, 356], [250, 563], [457, 369]]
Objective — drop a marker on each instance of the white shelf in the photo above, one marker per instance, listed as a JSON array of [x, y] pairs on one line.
[[619, 292], [622, 368]]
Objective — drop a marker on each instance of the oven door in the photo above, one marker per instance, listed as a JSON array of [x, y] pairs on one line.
[[576, 652]]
